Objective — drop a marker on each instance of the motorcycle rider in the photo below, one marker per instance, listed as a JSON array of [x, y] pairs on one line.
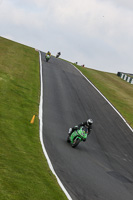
[[58, 54], [87, 127], [48, 53]]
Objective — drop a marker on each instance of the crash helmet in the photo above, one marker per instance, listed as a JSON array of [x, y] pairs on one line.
[[89, 122]]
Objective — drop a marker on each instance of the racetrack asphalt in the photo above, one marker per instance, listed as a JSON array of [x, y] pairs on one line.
[[100, 168]]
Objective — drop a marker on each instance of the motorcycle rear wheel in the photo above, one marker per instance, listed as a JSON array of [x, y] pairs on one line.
[[68, 139]]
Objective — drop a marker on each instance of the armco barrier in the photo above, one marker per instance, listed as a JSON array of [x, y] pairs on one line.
[[126, 77]]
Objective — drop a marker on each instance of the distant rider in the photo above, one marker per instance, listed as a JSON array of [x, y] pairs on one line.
[[87, 127], [48, 53], [58, 54]]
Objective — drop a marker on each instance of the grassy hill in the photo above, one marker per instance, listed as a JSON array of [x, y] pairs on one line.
[[115, 89], [24, 173]]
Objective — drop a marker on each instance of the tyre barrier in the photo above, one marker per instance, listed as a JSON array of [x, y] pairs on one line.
[[127, 77]]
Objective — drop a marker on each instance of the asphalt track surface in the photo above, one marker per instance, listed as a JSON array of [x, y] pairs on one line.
[[100, 168]]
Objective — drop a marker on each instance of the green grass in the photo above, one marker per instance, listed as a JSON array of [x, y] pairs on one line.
[[24, 173], [116, 90]]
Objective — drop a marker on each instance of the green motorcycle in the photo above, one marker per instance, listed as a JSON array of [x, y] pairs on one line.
[[77, 136], [47, 58]]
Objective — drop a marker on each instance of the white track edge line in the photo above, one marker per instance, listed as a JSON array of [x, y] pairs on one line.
[[104, 98], [41, 134]]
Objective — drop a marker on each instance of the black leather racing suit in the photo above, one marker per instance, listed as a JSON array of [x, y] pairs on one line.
[[85, 125]]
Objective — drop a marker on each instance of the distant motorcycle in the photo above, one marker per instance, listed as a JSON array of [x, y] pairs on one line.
[[77, 136], [58, 54], [47, 58]]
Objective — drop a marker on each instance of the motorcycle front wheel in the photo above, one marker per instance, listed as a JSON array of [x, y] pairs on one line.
[[75, 142]]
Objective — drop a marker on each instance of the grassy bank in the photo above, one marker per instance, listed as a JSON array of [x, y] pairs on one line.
[[24, 173], [116, 90]]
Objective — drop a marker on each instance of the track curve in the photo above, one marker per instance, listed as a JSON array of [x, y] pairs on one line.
[[102, 167]]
